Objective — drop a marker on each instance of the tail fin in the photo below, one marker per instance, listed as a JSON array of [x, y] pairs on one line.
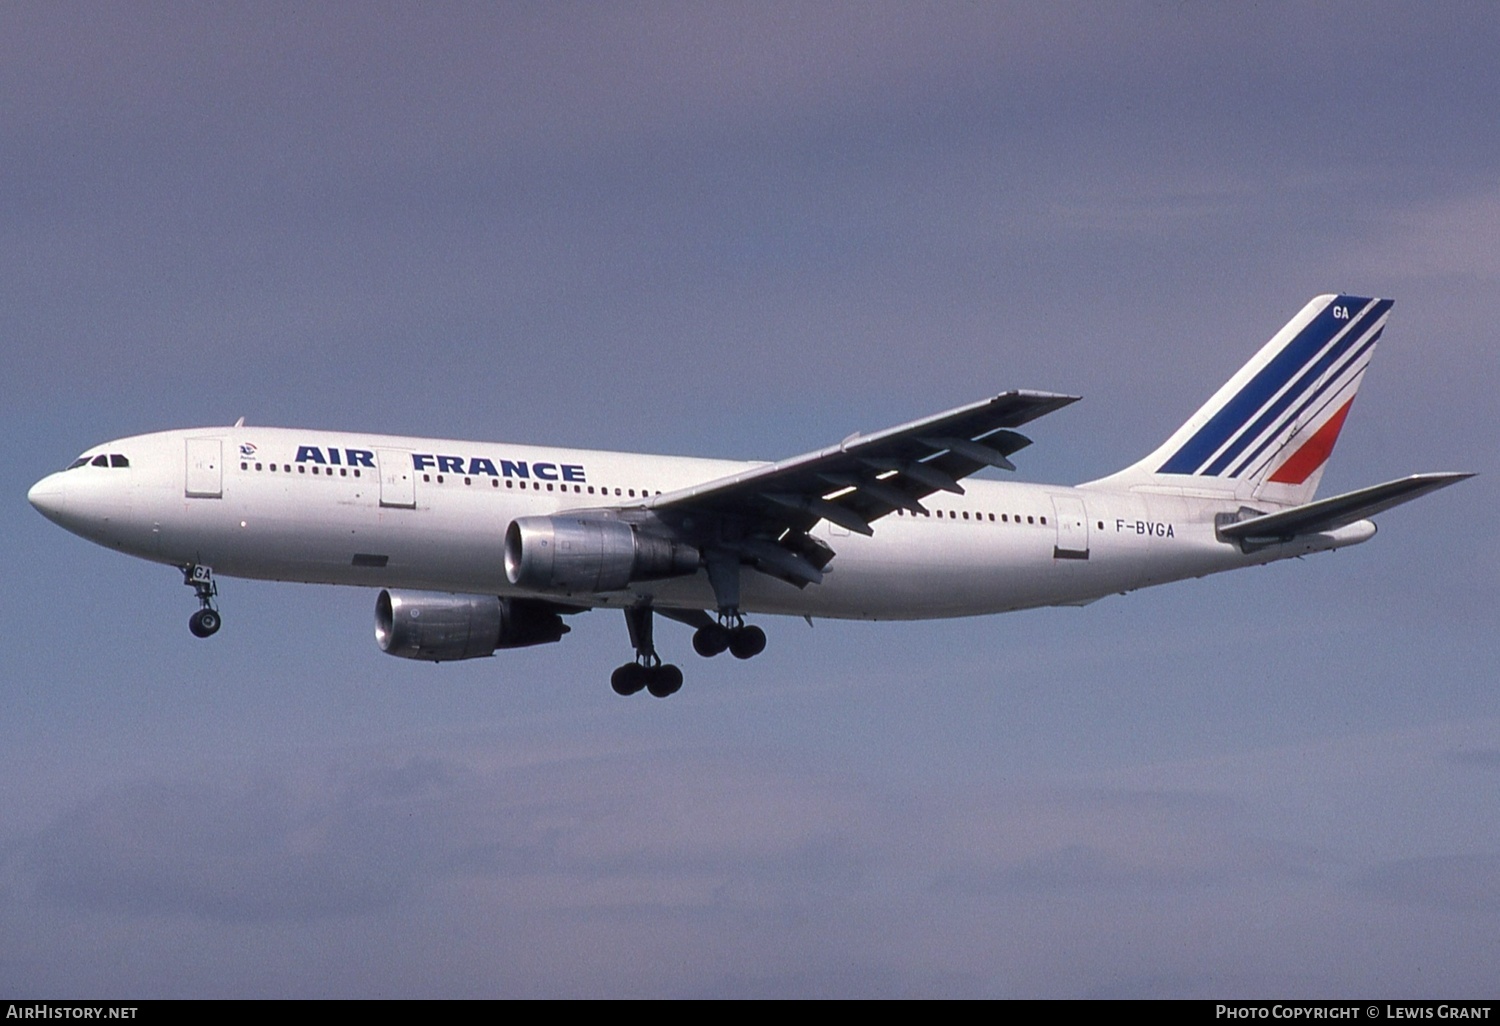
[[1267, 434]]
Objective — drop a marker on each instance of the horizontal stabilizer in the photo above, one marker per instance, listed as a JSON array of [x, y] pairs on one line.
[[1338, 511]]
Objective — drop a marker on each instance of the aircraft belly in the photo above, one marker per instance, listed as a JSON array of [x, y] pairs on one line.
[[264, 532]]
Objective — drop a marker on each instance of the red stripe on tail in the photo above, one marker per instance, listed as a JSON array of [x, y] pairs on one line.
[[1314, 452]]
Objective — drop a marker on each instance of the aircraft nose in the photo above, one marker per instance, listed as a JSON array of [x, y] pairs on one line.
[[48, 496]]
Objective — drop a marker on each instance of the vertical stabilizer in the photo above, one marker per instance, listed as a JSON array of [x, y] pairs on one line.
[[1268, 433]]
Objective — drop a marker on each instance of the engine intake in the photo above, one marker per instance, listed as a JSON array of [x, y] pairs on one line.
[[438, 627], [590, 554]]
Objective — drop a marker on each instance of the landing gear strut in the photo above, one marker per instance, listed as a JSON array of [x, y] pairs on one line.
[[206, 621], [730, 632], [648, 671]]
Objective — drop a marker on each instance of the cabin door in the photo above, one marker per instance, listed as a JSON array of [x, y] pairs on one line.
[[205, 468], [398, 481], [1072, 528]]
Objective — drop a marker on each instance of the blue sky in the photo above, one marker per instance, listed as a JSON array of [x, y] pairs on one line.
[[738, 231]]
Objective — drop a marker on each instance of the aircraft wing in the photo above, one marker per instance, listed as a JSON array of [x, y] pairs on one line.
[[765, 513], [1338, 511]]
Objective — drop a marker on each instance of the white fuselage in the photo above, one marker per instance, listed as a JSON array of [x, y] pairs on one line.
[[394, 512]]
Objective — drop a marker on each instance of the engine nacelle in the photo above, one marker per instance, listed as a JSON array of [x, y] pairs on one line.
[[437, 626], [590, 554]]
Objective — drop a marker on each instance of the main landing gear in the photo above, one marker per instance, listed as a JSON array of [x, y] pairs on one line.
[[729, 634], [648, 671], [206, 621]]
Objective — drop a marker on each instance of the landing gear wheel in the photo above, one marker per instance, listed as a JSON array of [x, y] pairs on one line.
[[628, 679], [709, 641], [204, 623], [664, 680], [747, 642]]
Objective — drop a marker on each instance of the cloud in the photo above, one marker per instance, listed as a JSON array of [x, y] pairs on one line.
[[1455, 883], [1481, 757], [254, 852], [471, 864], [1451, 236]]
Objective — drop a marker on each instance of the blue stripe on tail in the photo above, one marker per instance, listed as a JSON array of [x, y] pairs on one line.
[[1293, 359]]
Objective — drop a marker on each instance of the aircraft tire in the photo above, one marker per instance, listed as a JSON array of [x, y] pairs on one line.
[[747, 642], [628, 679], [204, 623], [711, 640], [665, 680]]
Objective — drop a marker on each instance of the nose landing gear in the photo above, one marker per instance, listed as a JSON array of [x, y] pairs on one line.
[[206, 621]]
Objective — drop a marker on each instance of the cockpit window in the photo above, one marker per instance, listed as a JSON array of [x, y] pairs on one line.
[[113, 459]]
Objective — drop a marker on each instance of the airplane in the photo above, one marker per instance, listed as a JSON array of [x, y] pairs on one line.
[[479, 547]]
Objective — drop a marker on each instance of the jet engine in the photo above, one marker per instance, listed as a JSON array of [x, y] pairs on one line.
[[437, 626], [590, 554]]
